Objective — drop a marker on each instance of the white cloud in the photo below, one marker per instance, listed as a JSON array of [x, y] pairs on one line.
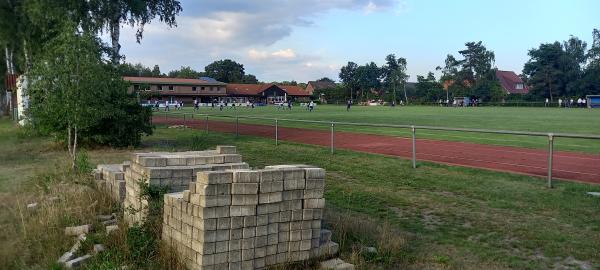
[[244, 31], [370, 7]]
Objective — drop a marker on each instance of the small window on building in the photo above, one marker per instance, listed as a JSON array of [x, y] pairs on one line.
[[193, 88], [519, 86], [159, 87], [170, 88], [202, 88]]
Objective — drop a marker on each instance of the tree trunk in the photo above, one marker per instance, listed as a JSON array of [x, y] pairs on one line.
[[69, 138], [26, 55], [8, 55], [74, 156], [115, 32]]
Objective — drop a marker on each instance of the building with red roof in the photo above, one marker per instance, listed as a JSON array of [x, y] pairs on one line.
[[511, 83], [206, 90]]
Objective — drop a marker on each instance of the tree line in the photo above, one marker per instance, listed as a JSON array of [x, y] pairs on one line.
[[558, 69], [73, 79]]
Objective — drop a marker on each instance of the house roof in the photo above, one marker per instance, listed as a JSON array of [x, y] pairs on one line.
[[161, 80], [318, 85], [255, 89], [509, 80]]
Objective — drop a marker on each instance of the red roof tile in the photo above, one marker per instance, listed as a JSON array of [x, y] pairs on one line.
[[509, 80], [255, 89], [169, 80]]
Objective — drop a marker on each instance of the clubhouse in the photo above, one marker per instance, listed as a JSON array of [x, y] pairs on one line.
[[207, 90]]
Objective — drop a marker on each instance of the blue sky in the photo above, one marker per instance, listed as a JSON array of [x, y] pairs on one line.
[[309, 39]]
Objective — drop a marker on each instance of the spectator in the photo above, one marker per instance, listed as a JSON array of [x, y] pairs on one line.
[[348, 105], [559, 102], [546, 104]]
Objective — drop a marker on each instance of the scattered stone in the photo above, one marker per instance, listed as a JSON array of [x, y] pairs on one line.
[[67, 256], [80, 239], [336, 264], [593, 193], [105, 217], [111, 228], [32, 206], [78, 262], [98, 248], [77, 230], [109, 222], [370, 250]]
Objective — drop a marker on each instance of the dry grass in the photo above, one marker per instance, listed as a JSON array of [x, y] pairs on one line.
[[34, 238]]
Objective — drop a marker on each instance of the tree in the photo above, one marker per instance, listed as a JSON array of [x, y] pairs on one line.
[[156, 71], [227, 71], [368, 79], [394, 75], [428, 89], [477, 62], [77, 96], [110, 14], [249, 78], [137, 70], [185, 72], [348, 75], [325, 79]]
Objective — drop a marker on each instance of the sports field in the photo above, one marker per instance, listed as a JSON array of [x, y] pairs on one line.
[[556, 120]]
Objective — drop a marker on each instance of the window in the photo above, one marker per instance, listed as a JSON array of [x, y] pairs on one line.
[[193, 88], [159, 87], [519, 86], [202, 88], [170, 88]]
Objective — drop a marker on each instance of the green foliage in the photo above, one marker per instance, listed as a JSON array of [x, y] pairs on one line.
[[185, 72], [82, 163], [228, 71], [428, 89], [138, 70], [394, 75], [73, 87], [339, 94]]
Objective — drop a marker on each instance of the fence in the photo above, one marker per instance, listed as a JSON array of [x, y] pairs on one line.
[[413, 128]]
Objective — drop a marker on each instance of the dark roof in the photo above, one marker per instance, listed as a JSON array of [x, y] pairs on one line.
[[255, 89], [318, 85], [162, 80], [509, 80]]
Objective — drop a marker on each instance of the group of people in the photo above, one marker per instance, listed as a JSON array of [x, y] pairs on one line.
[[178, 105], [570, 103], [283, 105]]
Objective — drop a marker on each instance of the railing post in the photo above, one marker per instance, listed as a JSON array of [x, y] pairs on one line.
[[206, 124], [550, 153], [237, 126], [184, 119], [332, 137], [276, 132], [414, 147]]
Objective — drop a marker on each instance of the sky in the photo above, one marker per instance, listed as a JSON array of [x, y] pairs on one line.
[[304, 40]]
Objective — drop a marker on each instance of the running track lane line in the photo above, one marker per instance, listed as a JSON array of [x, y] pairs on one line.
[[571, 166]]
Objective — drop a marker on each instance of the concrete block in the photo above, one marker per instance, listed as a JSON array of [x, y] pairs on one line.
[[226, 149], [244, 188], [270, 175], [77, 230], [314, 173], [250, 221], [242, 210], [245, 176], [77, 262], [237, 222], [314, 203], [248, 243], [214, 177]]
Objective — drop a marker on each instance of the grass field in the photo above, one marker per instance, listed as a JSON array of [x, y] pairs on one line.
[[556, 120], [435, 217]]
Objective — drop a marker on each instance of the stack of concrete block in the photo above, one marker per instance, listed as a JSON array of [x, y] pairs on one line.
[[172, 170], [111, 179], [248, 219]]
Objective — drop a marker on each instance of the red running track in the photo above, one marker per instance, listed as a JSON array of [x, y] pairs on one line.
[[571, 166]]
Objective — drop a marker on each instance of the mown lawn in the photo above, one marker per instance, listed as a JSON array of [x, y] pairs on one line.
[[433, 217], [556, 120]]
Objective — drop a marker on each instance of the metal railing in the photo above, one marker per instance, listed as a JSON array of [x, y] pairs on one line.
[[413, 128]]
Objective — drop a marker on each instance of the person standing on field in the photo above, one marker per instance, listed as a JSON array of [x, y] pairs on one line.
[[348, 105], [559, 102], [546, 104]]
